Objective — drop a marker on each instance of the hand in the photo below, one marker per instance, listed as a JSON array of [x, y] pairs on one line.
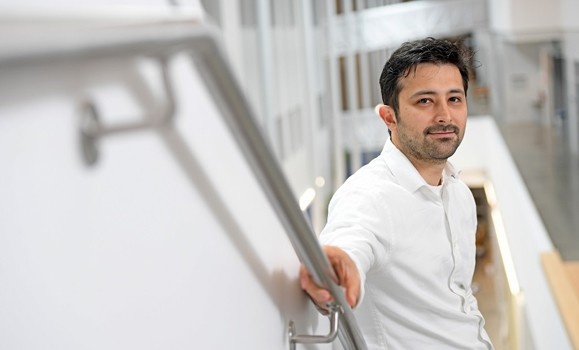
[[348, 278]]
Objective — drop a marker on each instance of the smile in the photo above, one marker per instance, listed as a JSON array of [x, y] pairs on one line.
[[442, 134], [440, 131]]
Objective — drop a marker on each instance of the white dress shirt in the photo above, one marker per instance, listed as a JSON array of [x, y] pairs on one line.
[[415, 251]]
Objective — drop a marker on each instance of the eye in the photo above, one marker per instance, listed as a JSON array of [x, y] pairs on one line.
[[455, 99], [423, 101]]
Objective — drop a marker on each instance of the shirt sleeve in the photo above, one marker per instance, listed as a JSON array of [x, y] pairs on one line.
[[359, 226]]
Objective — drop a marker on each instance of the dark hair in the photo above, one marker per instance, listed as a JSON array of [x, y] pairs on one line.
[[411, 54]]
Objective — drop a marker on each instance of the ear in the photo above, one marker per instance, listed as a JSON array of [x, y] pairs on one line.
[[387, 114]]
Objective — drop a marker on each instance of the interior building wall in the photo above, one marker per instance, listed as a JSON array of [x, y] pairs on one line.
[[524, 92], [520, 17], [571, 54], [526, 86], [535, 16], [277, 49], [569, 10], [570, 45], [167, 241]]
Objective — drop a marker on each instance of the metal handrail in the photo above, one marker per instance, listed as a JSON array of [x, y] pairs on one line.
[[240, 119], [203, 43]]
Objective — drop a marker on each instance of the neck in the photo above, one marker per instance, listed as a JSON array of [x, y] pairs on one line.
[[430, 172], [429, 169]]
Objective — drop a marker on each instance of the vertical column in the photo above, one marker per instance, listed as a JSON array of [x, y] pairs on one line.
[[572, 104], [498, 80], [365, 80], [336, 110], [265, 56], [230, 22], [311, 112], [352, 85]]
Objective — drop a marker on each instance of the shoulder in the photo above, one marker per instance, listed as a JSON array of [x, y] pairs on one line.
[[372, 180]]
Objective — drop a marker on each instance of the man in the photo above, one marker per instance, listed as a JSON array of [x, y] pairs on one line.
[[401, 230]]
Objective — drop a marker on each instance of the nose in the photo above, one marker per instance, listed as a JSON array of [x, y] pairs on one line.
[[443, 113]]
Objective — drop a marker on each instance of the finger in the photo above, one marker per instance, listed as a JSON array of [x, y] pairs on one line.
[[318, 294], [352, 296], [348, 276], [304, 275], [350, 283]]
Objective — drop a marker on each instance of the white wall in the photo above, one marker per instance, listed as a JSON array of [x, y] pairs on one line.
[[525, 17], [390, 26], [521, 33], [569, 10], [539, 22], [500, 15], [522, 78], [535, 15], [167, 243]]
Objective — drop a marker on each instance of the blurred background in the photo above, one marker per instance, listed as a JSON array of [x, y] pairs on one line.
[[148, 150]]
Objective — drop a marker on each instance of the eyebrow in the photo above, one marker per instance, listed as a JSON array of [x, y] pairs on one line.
[[432, 92]]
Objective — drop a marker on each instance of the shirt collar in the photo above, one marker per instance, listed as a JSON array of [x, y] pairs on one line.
[[406, 173]]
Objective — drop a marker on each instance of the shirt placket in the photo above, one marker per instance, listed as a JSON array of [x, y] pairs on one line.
[[454, 279]]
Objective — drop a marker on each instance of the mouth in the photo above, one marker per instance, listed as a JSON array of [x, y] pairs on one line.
[[442, 134], [445, 132]]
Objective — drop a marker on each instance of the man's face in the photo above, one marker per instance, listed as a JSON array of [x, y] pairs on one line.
[[432, 113]]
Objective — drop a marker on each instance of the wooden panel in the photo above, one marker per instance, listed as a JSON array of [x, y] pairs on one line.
[[573, 272], [565, 295]]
